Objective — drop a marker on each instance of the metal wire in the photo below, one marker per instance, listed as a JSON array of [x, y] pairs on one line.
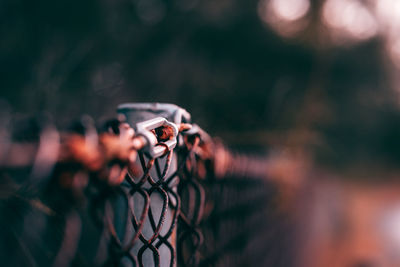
[[111, 211]]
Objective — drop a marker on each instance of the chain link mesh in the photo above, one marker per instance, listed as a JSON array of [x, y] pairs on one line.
[[116, 212]]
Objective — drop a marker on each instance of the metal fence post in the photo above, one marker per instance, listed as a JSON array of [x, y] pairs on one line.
[[163, 198]]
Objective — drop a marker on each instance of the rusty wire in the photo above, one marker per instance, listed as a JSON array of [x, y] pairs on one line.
[[97, 181]]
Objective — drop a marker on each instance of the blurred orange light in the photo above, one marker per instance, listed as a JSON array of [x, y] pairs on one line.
[[388, 12], [286, 17], [290, 10], [352, 19]]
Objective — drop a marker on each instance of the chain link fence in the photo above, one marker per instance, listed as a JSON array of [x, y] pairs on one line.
[[147, 189]]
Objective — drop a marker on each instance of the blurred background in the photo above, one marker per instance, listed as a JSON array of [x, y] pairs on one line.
[[313, 79], [236, 66]]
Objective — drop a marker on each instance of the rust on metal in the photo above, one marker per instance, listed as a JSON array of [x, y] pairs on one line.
[[107, 173]]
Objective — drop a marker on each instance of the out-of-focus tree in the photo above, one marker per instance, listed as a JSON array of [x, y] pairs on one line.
[[235, 65]]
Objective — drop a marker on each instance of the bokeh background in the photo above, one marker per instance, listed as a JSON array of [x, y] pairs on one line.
[[317, 78], [237, 66]]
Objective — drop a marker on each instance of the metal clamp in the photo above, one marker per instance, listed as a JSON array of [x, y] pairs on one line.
[[144, 129]]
